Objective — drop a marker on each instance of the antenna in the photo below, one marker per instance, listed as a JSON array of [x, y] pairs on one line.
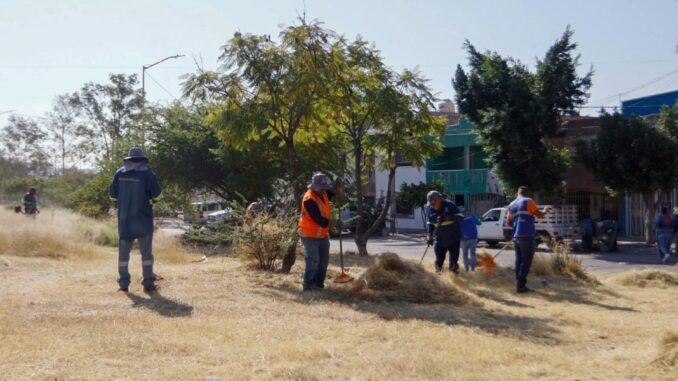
[[304, 11]]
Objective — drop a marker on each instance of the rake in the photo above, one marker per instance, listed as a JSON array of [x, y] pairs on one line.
[[343, 277]]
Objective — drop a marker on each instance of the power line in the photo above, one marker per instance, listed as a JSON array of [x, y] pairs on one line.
[[656, 80], [161, 86]]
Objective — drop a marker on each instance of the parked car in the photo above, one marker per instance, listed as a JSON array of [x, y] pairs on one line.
[[218, 216], [561, 222], [200, 210]]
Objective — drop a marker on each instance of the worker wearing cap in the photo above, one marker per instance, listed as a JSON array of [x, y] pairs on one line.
[[444, 229], [135, 188], [522, 213], [314, 229]]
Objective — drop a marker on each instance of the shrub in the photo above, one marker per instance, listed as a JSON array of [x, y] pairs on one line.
[[262, 240]]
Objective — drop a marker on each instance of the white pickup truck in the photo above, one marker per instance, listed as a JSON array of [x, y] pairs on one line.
[[561, 222]]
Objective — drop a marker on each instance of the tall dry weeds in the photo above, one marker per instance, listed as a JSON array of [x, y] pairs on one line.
[[52, 234], [262, 240], [561, 262]]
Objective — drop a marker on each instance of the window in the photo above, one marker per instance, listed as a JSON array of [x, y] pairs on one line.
[[477, 158], [451, 159], [491, 216]]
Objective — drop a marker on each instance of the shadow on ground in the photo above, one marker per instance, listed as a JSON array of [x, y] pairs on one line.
[[160, 305]]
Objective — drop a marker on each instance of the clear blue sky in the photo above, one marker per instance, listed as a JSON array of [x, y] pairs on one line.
[[51, 47]]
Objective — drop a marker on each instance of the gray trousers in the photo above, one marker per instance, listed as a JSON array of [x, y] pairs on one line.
[[146, 248]]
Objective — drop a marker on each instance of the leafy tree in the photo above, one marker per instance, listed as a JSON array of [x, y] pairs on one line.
[[383, 113], [190, 155], [112, 113], [629, 155], [271, 91], [66, 131], [516, 110], [413, 196], [668, 120], [23, 139]]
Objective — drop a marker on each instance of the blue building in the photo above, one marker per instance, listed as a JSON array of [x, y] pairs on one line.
[[650, 105]]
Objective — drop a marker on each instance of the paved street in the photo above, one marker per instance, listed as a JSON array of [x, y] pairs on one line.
[[631, 255]]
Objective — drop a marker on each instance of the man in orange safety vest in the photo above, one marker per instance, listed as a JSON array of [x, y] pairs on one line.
[[314, 229]]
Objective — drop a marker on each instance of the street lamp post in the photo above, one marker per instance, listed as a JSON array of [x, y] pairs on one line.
[[143, 92]]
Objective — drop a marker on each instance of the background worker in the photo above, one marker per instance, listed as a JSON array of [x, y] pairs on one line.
[[674, 225], [522, 213], [314, 229], [444, 219], [663, 229], [135, 188], [588, 231], [469, 240], [30, 202]]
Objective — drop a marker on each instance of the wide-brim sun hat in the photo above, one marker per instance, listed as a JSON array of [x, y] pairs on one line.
[[136, 153]]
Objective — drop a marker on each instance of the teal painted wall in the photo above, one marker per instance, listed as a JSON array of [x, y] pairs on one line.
[[461, 167]]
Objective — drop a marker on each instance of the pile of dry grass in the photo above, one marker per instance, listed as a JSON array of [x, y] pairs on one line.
[[668, 350], [389, 278], [561, 262], [647, 278]]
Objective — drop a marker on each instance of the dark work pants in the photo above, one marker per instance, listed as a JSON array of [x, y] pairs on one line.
[[524, 253], [317, 256], [441, 250], [146, 248]]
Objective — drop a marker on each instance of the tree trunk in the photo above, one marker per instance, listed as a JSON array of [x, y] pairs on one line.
[[362, 250], [291, 255], [360, 242], [650, 208]]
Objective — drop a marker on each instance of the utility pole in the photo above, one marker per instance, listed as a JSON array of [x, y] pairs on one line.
[[143, 93]]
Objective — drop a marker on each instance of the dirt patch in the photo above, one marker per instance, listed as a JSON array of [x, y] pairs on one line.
[[647, 278], [389, 278]]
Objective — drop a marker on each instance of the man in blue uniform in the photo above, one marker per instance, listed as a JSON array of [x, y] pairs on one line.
[[134, 188], [444, 219], [522, 213]]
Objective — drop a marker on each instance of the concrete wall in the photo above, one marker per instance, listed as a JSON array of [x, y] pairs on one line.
[[408, 175]]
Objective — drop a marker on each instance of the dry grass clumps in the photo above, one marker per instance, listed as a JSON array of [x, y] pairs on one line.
[[668, 350], [389, 278], [51, 234], [561, 262], [169, 249], [647, 278]]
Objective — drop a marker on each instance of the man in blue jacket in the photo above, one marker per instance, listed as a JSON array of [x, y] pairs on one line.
[[135, 188], [522, 213], [444, 219]]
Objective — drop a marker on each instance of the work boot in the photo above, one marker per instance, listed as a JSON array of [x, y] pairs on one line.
[[151, 289], [439, 269], [123, 289], [523, 290]]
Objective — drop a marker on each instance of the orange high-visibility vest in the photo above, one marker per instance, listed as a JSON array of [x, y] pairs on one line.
[[309, 228]]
